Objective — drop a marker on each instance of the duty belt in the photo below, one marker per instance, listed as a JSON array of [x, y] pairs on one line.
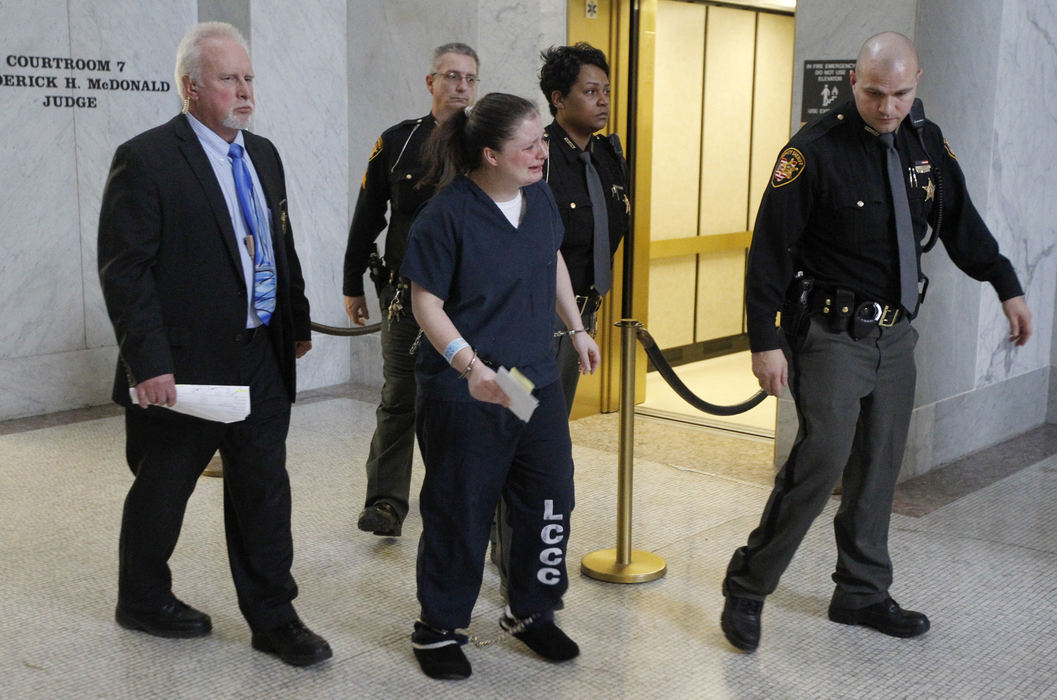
[[844, 310]]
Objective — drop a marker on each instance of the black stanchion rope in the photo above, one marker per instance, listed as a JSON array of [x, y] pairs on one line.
[[666, 370], [355, 330]]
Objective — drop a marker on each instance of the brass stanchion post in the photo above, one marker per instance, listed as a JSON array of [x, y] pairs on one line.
[[624, 564]]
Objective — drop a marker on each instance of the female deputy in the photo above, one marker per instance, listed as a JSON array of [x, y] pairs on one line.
[[486, 272]]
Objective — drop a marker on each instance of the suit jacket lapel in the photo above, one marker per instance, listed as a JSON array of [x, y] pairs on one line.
[[203, 170]]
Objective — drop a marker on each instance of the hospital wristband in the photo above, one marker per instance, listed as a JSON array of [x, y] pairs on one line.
[[454, 347]]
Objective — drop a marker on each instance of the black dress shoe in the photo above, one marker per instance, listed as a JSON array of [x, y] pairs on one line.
[[886, 617], [293, 643], [175, 619], [741, 622], [380, 519]]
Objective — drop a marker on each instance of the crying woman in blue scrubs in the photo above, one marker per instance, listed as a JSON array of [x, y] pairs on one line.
[[487, 275]]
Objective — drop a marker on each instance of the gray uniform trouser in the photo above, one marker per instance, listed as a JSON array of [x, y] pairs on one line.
[[393, 444], [837, 384]]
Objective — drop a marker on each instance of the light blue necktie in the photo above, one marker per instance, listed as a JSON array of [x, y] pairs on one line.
[[263, 262]]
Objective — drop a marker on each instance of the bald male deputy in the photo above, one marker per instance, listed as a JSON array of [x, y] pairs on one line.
[[836, 248]]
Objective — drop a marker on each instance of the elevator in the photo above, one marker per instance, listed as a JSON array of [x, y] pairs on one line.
[[714, 93]]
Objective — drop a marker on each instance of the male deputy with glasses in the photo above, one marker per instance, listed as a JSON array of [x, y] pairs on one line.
[[395, 167], [203, 286], [836, 248]]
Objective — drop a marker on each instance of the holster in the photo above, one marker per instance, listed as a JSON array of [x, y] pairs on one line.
[[379, 271], [795, 317]]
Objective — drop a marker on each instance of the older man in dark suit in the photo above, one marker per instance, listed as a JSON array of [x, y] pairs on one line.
[[203, 286]]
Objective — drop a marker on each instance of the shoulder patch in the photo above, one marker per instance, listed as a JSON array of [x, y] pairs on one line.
[[947, 147], [377, 149], [790, 164]]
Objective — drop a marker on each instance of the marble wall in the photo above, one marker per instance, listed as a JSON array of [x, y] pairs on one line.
[[981, 59], [303, 102], [56, 343]]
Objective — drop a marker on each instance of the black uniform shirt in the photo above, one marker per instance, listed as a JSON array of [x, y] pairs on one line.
[[828, 211], [393, 173], [564, 171]]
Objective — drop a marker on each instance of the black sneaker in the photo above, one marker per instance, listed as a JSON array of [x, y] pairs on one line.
[[380, 519], [741, 622], [886, 617]]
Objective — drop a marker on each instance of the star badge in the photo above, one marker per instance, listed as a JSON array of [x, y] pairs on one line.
[[930, 190]]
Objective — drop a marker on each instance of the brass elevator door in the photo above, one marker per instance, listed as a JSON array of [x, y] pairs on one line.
[[721, 113]]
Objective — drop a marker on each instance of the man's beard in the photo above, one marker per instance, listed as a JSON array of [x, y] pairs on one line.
[[236, 121]]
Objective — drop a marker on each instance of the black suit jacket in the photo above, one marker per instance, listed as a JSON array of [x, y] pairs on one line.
[[170, 267]]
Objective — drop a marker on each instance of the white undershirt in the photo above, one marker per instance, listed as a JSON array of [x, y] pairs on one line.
[[512, 210]]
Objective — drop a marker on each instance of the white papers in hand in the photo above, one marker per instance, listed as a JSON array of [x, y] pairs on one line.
[[224, 404], [516, 386]]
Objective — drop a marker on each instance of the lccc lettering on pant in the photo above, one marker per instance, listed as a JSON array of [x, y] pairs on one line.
[[551, 534]]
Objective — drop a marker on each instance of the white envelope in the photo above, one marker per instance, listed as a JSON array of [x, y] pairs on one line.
[[519, 389]]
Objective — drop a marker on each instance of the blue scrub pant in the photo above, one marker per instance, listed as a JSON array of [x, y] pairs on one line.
[[474, 453]]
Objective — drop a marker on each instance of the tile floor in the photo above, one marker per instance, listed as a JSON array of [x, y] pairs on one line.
[[980, 560]]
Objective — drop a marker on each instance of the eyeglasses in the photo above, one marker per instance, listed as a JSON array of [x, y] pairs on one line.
[[456, 77]]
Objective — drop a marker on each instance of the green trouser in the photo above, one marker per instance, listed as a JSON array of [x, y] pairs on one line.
[[393, 444], [837, 384]]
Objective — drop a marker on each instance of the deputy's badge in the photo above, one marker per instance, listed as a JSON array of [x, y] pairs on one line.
[[947, 146], [377, 149], [930, 190], [790, 164]]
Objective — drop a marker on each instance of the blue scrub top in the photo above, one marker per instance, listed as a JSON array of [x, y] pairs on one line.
[[497, 281]]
